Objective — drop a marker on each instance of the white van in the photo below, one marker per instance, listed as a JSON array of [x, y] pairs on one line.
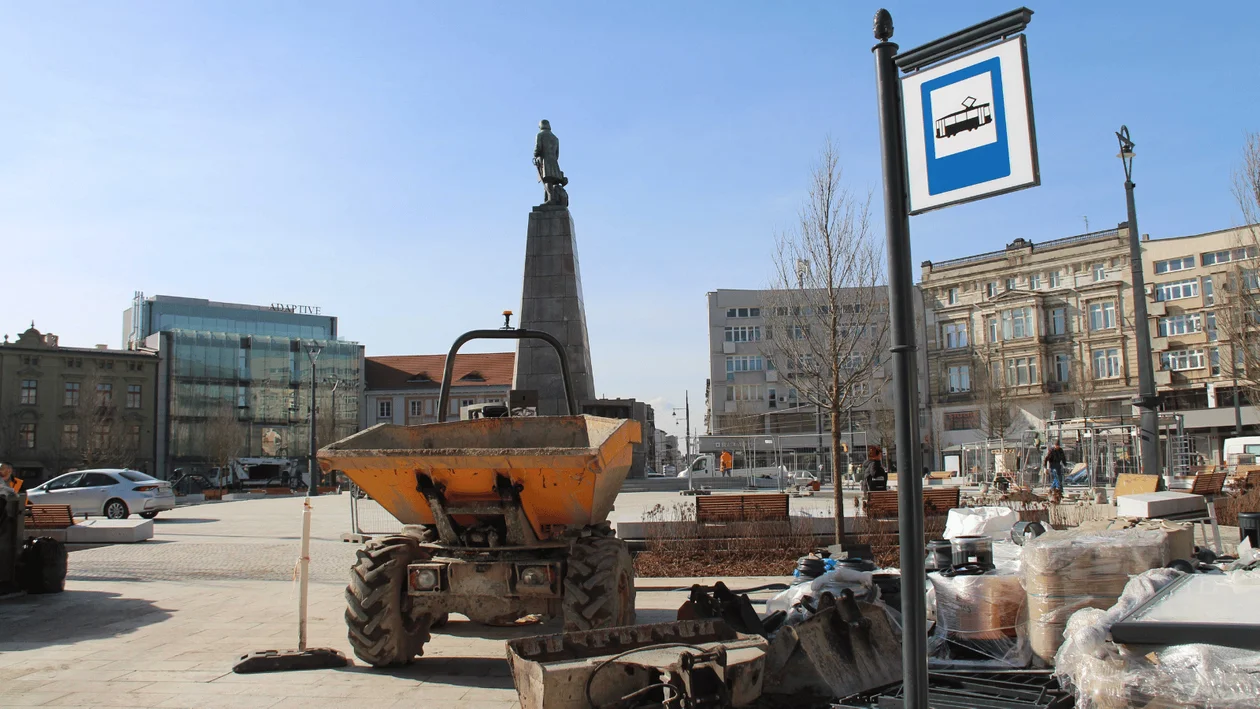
[[1244, 450]]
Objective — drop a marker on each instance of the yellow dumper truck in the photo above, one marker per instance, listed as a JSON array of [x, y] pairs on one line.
[[503, 517]]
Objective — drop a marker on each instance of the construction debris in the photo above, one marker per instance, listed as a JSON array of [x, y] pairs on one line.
[[1012, 689], [844, 646], [690, 664]]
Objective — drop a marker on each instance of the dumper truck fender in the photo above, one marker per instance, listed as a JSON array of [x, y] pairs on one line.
[[598, 584], [381, 625]]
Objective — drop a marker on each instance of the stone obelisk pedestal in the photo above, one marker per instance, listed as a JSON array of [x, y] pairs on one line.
[[552, 301]]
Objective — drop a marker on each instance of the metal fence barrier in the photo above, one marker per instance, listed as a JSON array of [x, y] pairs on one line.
[[368, 518]]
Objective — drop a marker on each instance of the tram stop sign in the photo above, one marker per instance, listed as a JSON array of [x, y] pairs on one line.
[[969, 127]]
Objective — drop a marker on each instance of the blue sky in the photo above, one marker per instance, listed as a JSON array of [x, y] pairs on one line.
[[374, 158]]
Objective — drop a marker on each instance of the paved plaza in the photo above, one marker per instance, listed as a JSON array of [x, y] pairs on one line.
[[159, 624]]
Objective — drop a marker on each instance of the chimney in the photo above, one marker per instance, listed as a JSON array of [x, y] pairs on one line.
[[102, 347]]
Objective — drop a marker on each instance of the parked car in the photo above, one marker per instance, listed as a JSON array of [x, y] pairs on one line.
[[113, 492]]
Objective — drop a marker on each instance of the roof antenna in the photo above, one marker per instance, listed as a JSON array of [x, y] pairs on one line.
[[1086, 224], [507, 320]]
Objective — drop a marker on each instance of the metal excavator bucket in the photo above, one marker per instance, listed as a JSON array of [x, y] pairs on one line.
[[560, 471], [694, 664], [846, 646]]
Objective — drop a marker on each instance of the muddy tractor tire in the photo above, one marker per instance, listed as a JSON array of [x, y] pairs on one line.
[[598, 585], [381, 626]]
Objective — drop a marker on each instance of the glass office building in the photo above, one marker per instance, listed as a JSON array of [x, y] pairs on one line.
[[249, 396], [162, 313], [234, 380]]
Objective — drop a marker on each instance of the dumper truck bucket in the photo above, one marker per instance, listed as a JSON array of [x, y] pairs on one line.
[[560, 471], [599, 667]]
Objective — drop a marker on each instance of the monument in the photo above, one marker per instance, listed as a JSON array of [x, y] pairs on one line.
[[551, 299]]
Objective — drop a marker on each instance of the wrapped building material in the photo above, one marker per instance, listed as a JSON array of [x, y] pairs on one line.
[[980, 621], [1181, 542], [1065, 571], [1104, 675]]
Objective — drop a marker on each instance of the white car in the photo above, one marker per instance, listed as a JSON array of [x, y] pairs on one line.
[[114, 493]]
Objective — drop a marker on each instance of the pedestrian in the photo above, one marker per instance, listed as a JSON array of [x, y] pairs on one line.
[[874, 477], [8, 479], [1055, 460], [727, 461]]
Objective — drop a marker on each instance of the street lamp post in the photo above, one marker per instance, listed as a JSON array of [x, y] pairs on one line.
[[1147, 399]]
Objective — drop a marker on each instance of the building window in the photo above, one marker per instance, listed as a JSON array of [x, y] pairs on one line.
[[1176, 290], [1181, 360], [1065, 410], [26, 436], [991, 289], [72, 394], [1022, 371], [1010, 284], [860, 390], [799, 333], [1062, 368], [384, 408], [955, 335], [962, 420], [1184, 324], [1102, 316], [133, 437], [1100, 272], [742, 334], [1214, 356], [1176, 264], [415, 408], [771, 399], [1058, 321], [959, 379], [743, 312], [743, 392], [1216, 257], [29, 390], [101, 435], [744, 363], [1054, 279], [1106, 363], [1034, 281], [70, 435], [952, 297], [104, 394], [1017, 323], [1211, 327], [133, 397], [1209, 294], [992, 327]]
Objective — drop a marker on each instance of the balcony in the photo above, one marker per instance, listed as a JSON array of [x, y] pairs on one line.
[[1057, 387]]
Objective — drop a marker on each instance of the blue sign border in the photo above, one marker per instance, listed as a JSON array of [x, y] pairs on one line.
[[970, 167]]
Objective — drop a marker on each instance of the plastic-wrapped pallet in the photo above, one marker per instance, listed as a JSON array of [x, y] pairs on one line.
[[1065, 571], [982, 615], [1104, 675]]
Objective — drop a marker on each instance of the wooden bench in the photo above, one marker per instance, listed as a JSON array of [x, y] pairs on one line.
[[742, 508], [940, 475], [1208, 484], [884, 504], [48, 517], [1247, 477]]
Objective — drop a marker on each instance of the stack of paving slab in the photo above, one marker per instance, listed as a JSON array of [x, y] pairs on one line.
[[1067, 570], [100, 531]]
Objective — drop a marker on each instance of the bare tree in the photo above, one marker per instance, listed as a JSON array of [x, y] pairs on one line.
[[997, 405], [224, 438], [1238, 311], [93, 434], [826, 316], [1085, 389]]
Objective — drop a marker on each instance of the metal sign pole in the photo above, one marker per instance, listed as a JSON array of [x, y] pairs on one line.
[[905, 374]]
